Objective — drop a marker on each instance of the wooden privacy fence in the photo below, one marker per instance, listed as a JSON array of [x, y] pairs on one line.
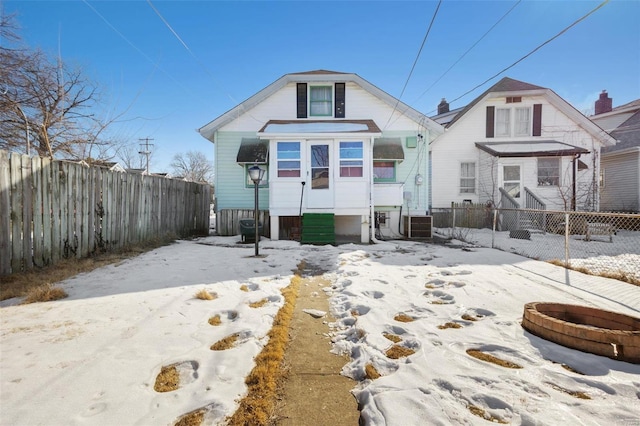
[[51, 210]]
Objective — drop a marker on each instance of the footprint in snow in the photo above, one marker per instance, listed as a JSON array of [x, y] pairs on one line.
[[374, 294], [437, 297]]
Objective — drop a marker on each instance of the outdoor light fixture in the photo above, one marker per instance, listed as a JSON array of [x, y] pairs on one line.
[[256, 174]]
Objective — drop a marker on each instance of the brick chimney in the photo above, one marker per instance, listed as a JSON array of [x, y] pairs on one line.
[[443, 106], [604, 104]]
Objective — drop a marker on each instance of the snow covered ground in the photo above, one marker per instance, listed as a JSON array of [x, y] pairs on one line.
[[93, 358]]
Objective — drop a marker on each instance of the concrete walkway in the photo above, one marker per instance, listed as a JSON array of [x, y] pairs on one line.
[[315, 393]]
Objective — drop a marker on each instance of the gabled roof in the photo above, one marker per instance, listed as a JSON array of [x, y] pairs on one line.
[[627, 134], [505, 85], [510, 87], [208, 130]]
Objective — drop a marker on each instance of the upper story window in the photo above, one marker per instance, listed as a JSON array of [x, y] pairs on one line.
[[320, 101], [288, 159], [513, 122], [351, 159]]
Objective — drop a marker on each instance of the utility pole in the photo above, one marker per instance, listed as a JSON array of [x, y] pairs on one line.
[[145, 150]]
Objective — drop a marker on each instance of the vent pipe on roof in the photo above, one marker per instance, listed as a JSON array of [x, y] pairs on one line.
[[604, 103], [443, 106]]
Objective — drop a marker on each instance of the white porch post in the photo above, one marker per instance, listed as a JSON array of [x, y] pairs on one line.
[[275, 227]]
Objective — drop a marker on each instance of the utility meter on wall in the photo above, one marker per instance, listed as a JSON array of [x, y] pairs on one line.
[[419, 179]]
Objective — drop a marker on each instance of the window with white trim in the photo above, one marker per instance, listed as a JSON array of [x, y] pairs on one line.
[[518, 125], [288, 154], [321, 101], [384, 171], [468, 178], [351, 159], [264, 182], [522, 124], [503, 122], [549, 171]]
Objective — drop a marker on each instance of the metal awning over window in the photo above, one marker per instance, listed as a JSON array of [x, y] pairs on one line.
[[253, 150], [388, 149], [548, 148]]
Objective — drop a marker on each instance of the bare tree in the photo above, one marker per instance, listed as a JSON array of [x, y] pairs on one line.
[[49, 106], [130, 156], [193, 166]]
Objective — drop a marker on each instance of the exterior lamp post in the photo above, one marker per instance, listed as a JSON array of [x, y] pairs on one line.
[[256, 174]]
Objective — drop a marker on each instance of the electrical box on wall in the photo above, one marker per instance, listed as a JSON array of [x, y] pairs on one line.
[[412, 141], [407, 195]]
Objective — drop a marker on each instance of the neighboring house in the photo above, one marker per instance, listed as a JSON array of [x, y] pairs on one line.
[[619, 164], [518, 145], [331, 143], [109, 165]]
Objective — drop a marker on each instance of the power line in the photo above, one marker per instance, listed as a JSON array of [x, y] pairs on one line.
[[534, 50], [134, 46], [469, 50], [198, 61], [424, 40]]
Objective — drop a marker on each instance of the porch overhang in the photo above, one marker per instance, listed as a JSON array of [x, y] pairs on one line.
[[546, 148], [252, 151], [388, 149], [322, 128]]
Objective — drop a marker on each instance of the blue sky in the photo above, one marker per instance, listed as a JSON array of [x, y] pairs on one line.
[[228, 51]]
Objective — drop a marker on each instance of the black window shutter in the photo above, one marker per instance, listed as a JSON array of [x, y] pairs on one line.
[[490, 120], [537, 119], [339, 96], [302, 100]]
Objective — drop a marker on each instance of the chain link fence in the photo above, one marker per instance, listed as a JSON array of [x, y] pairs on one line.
[[605, 244]]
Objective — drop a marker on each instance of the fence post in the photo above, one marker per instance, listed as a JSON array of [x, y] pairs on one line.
[[566, 240], [453, 218], [493, 230]]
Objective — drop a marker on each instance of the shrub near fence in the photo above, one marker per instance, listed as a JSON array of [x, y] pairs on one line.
[[606, 244], [55, 209]]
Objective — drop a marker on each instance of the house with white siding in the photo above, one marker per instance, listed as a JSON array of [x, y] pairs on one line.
[[519, 145], [343, 159], [620, 164]]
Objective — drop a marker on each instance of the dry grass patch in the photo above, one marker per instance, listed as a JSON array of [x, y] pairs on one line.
[[258, 406], [259, 303], [468, 317], [620, 276], [206, 295], [168, 379], [215, 320], [403, 318], [449, 325], [475, 410], [226, 343], [492, 359], [393, 337], [370, 372], [573, 370], [20, 283], [194, 418], [244, 287], [575, 394], [44, 293], [397, 351]]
